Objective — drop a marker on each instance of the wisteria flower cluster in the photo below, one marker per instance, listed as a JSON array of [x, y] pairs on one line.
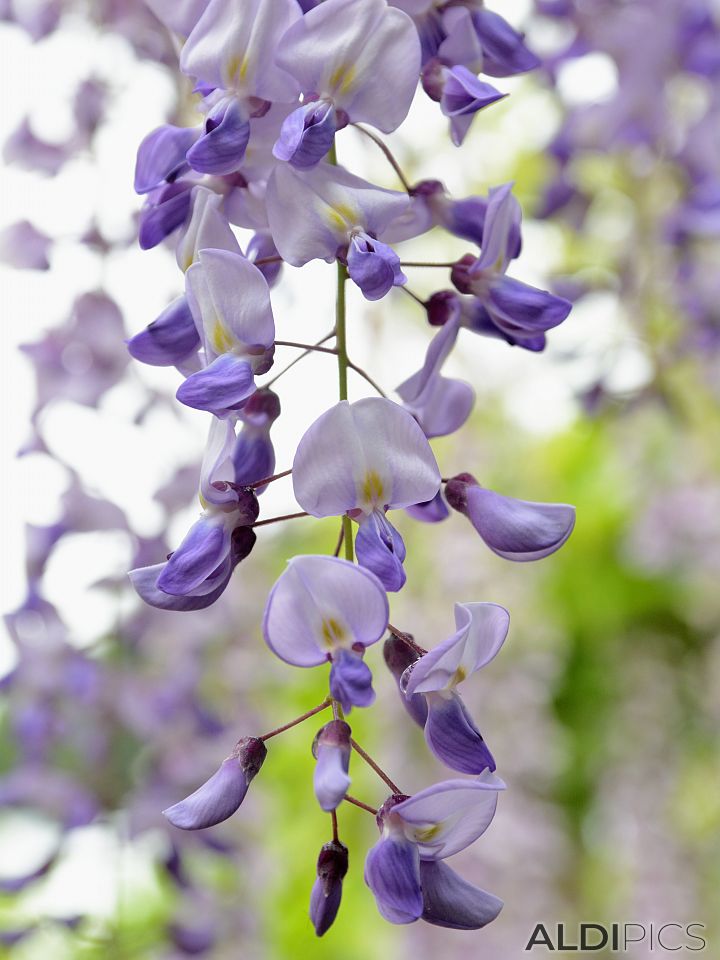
[[278, 80]]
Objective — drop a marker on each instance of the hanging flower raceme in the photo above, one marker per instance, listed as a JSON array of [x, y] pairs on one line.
[[323, 609], [405, 869], [198, 572], [237, 331], [514, 529], [354, 61], [326, 213], [363, 459]]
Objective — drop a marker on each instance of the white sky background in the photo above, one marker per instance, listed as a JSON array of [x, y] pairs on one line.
[[127, 463]]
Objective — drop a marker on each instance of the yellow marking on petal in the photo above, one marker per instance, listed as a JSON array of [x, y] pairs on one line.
[[458, 676], [203, 502], [342, 216], [333, 633], [221, 339], [342, 78], [237, 69], [426, 834], [372, 488]]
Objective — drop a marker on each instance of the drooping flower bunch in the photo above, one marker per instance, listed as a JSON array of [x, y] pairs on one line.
[[277, 81], [656, 130]]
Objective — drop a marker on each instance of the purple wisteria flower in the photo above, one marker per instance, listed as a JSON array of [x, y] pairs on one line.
[[323, 609], [331, 749], [520, 313], [326, 213], [404, 869], [198, 572], [450, 731], [220, 796], [353, 62], [238, 333], [517, 530], [363, 459]]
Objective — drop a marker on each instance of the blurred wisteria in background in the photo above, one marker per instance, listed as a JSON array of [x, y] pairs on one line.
[[604, 708]]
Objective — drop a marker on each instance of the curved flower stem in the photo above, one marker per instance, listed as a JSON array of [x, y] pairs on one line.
[[358, 803], [275, 476], [388, 153], [305, 716], [412, 295], [333, 817], [423, 263], [366, 376], [297, 359], [287, 516], [341, 538], [309, 347], [371, 763]]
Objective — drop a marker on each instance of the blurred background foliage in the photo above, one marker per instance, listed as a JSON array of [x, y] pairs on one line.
[[603, 710]]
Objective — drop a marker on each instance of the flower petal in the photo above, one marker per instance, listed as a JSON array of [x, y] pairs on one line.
[[450, 901], [219, 388], [351, 680], [204, 548], [451, 734], [519, 529], [392, 871], [169, 340], [220, 150]]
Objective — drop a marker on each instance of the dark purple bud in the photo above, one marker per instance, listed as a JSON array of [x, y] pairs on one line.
[[427, 188], [399, 653], [170, 339], [351, 680], [456, 491], [461, 276], [222, 147], [450, 901], [221, 795], [451, 734], [161, 156], [326, 894], [433, 79], [331, 749], [441, 307]]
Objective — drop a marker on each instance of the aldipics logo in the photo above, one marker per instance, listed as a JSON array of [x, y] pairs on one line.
[[617, 937]]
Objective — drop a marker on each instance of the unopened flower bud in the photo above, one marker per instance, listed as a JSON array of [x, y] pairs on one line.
[[331, 749], [332, 866]]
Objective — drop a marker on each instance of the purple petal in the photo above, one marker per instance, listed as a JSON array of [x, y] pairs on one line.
[[451, 734], [504, 50], [144, 580], [449, 816], [204, 548], [481, 631], [321, 604], [220, 388], [519, 530], [307, 134], [220, 150], [221, 795], [431, 511], [161, 156], [380, 548], [450, 901], [519, 309], [169, 340], [164, 212], [374, 267], [24, 247], [392, 871], [351, 680], [262, 247]]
